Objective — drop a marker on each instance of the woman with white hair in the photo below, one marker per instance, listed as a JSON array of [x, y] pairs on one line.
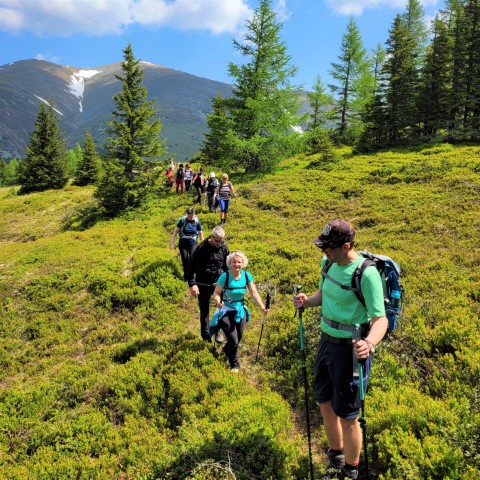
[[232, 314]]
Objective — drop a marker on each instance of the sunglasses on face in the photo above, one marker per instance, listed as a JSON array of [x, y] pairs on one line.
[[218, 241], [332, 246]]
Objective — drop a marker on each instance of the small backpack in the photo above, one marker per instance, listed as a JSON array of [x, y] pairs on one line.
[[180, 173], [393, 291], [189, 233]]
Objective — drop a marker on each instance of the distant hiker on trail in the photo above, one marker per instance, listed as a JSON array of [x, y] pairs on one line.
[[224, 193], [206, 264], [335, 382], [188, 228], [169, 177], [188, 177], [179, 178], [232, 314], [199, 184], [211, 187]]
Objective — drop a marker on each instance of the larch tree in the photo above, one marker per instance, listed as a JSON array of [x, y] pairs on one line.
[[133, 145], [264, 104], [353, 81], [321, 104], [45, 165]]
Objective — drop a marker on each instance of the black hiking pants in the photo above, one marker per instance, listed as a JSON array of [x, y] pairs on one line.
[[234, 333], [204, 295], [186, 251]]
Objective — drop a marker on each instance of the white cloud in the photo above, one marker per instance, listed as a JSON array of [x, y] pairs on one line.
[[47, 58], [99, 17], [356, 7]]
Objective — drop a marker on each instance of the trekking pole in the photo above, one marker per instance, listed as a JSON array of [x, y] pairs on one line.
[[267, 306], [300, 310], [362, 420]]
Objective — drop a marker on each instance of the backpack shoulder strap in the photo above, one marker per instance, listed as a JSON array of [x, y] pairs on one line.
[[357, 278], [325, 274]]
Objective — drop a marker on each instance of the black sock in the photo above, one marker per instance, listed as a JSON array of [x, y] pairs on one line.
[[350, 468], [335, 452]]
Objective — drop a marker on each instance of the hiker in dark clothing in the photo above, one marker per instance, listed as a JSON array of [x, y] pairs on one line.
[[206, 264], [179, 178], [211, 187], [199, 184], [336, 386], [189, 229], [232, 314]]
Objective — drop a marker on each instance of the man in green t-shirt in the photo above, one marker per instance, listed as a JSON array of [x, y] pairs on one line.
[[336, 385]]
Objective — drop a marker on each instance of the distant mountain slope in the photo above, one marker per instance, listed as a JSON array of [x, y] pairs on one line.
[[83, 99]]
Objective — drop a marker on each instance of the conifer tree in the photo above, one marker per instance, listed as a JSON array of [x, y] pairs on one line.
[[88, 168], [414, 18], [3, 172], [45, 165], [218, 149], [472, 71], [321, 104], [402, 79], [264, 103], [435, 90], [374, 117], [133, 145], [353, 78], [458, 97]]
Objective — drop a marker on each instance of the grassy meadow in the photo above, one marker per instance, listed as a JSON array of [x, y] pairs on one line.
[[104, 375]]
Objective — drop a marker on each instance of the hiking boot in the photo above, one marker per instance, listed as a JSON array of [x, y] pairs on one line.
[[337, 460], [219, 337], [237, 370], [348, 474]]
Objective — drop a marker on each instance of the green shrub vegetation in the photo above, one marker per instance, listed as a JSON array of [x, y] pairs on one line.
[[103, 374]]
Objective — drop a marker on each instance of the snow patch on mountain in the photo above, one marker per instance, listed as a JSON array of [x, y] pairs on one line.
[[77, 84], [48, 103]]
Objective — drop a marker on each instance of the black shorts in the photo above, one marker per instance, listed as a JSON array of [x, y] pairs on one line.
[[334, 380]]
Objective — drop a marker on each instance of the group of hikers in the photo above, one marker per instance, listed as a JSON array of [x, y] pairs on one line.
[[218, 192], [350, 329], [210, 269]]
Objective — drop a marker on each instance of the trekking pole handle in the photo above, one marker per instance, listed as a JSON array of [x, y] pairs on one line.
[[296, 291], [267, 302]]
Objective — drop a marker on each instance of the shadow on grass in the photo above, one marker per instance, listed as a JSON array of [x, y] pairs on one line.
[[231, 455]]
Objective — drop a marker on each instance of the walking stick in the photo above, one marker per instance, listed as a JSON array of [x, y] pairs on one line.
[[296, 290], [362, 420], [267, 306]]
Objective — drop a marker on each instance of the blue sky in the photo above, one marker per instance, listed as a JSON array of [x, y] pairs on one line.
[[194, 36]]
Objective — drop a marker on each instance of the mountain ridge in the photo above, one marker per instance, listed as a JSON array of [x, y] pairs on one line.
[[83, 98]]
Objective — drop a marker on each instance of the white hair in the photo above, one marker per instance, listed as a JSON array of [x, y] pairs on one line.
[[218, 231], [237, 254]]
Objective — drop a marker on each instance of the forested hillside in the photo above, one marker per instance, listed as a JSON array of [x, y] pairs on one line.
[[104, 374]]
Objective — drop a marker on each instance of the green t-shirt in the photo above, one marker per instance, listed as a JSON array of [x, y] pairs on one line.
[[342, 305]]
